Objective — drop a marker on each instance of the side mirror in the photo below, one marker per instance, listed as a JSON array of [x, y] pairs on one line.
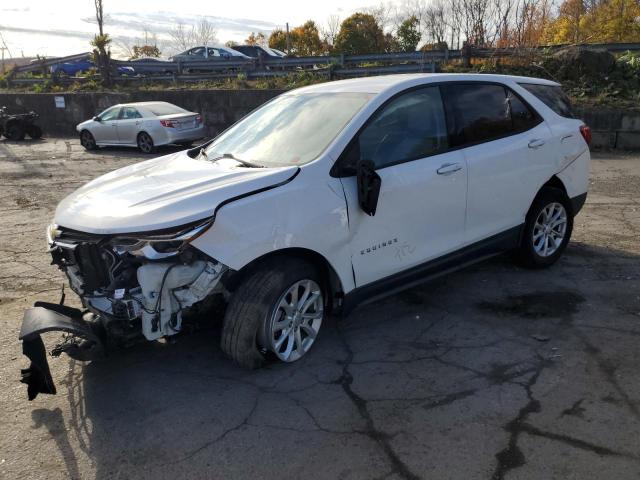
[[369, 183], [97, 119]]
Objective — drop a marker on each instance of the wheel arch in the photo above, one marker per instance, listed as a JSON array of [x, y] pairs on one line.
[[330, 277], [554, 182]]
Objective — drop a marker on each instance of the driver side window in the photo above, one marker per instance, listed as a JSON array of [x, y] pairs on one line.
[[111, 114], [409, 127]]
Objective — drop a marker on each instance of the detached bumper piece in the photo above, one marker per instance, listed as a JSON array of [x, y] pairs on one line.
[[48, 317]]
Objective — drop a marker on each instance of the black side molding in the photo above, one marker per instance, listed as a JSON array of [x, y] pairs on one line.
[[468, 255], [577, 202]]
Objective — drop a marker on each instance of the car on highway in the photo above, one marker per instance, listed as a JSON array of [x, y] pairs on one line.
[[74, 67], [325, 197], [205, 53], [145, 125], [151, 65], [258, 51]]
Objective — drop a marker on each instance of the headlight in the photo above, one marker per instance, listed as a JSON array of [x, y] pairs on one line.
[[52, 233], [162, 245]]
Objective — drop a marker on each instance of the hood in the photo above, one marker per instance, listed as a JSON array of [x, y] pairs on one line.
[[161, 193]]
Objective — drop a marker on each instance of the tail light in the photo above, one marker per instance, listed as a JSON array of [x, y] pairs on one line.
[[168, 123], [199, 119], [586, 133]]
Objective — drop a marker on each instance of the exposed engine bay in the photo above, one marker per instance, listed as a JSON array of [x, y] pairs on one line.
[[132, 287]]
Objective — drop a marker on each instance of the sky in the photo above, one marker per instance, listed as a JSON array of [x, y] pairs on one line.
[[64, 27]]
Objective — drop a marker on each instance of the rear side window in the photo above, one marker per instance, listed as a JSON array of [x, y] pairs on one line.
[[553, 97], [409, 127], [479, 112]]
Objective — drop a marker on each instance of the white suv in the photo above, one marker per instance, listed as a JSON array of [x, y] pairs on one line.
[[323, 198]]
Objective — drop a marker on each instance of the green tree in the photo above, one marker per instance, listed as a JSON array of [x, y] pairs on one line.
[[360, 34], [409, 34]]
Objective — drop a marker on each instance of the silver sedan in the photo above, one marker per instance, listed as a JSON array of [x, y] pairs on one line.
[[145, 125]]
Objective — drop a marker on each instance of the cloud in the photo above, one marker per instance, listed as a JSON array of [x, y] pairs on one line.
[[39, 31]]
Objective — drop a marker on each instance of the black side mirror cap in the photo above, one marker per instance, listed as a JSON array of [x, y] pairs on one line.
[[96, 119], [369, 183]]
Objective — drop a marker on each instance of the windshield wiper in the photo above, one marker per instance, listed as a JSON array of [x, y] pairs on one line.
[[203, 153], [243, 162]]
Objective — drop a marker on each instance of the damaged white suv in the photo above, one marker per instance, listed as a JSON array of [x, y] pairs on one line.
[[322, 198]]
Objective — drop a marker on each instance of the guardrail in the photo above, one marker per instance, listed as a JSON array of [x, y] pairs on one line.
[[336, 65]]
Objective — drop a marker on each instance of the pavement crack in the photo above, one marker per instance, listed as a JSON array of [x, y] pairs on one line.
[[512, 457], [574, 442], [379, 436]]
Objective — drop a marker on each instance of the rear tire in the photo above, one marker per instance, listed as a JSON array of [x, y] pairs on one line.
[[14, 131], [547, 229], [250, 330], [34, 131], [145, 143]]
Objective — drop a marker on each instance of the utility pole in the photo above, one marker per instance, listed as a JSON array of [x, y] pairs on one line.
[[3, 47], [288, 41]]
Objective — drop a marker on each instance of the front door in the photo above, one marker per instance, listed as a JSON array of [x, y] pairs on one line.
[[421, 207], [106, 131]]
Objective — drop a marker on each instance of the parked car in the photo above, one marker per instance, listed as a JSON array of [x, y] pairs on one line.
[[145, 125], [204, 53], [257, 51], [325, 197], [80, 66], [16, 126], [278, 52]]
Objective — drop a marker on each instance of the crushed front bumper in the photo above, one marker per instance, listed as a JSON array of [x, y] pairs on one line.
[[47, 317]]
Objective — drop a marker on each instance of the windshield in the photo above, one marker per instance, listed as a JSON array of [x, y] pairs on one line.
[[289, 130]]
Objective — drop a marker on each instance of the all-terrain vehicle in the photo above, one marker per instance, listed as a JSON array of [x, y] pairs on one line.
[[16, 126]]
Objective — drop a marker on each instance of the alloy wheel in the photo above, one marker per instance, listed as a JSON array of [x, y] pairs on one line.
[[145, 143], [87, 140], [294, 324], [550, 229]]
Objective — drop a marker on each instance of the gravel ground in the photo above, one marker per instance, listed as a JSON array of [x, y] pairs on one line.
[[491, 372]]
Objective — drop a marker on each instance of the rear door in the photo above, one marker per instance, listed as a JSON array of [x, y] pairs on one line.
[[507, 147], [106, 130], [129, 124], [421, 207]]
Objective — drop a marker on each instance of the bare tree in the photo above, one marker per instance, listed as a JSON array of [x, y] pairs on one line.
[[183, 37], [99, 16], [204, 33], [435, 22], [331, 29]]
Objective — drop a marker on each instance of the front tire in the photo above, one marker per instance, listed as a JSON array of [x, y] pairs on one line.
[[87, 140], [547, 230], [277, 310], [145, 143]]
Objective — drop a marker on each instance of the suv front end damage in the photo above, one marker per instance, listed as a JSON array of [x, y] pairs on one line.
[[132, 287]]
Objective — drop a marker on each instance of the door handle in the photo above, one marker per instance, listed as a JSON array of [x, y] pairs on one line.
[[536, 143], [449, 168], [114, 124]]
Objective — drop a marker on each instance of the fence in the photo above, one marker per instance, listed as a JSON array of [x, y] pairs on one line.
[[340, 66]]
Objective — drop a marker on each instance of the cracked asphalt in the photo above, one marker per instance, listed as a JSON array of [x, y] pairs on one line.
[[493, 372]]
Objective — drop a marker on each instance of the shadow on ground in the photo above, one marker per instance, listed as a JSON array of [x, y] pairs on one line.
[[479, 373]]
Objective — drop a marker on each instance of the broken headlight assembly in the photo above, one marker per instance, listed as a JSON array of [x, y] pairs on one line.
[[154, 245], [132, 286]]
